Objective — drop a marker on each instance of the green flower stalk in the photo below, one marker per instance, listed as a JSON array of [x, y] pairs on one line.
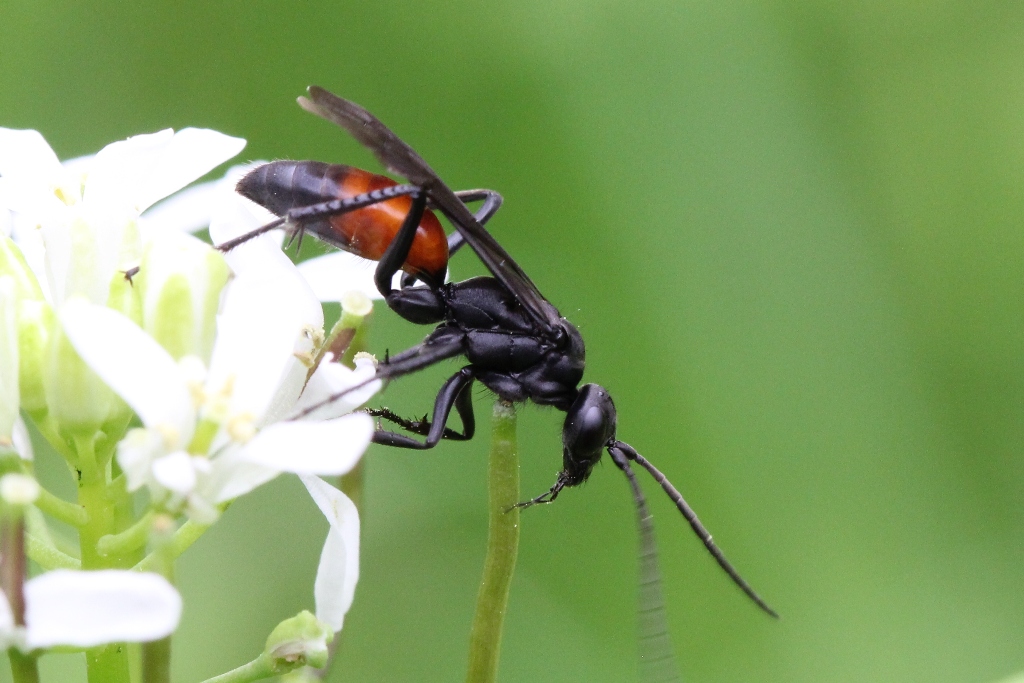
[[502, 547]]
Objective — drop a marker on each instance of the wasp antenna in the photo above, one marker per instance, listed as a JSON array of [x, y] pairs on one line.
[[656, 657], [630, 453]]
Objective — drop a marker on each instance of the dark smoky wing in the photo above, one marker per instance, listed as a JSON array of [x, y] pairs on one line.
[[403, 160], [394, 154]]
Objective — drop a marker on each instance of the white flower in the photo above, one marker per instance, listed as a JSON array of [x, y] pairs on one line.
[[90, 208], [213, 435], [76, 227], [85, 609]]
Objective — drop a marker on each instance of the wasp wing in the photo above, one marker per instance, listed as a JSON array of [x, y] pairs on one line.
[[400, 158]]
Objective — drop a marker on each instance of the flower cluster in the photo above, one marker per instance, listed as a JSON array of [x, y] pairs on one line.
[[152, 362]]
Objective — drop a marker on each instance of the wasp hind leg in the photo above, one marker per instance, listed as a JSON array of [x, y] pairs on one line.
[[454, 393]]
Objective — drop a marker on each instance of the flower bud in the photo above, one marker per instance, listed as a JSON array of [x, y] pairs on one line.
[[299, 641], [124, 297], [9, 392], [18, 490], [13, 265], [180, 280], [80, 402], [35, 323]]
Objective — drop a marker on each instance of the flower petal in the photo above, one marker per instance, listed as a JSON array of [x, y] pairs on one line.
[[231, 476], [135, 454], [26, 153], [137, 368], [78, 167], [330, 447], [264, 316], [139, 171], [175, 472], [22, 440], [332, 275], [83, 609], [187, 211], [237, 216], [338, 572], [31, 171]]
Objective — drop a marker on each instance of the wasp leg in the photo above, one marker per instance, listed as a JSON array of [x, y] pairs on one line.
[[454, 393], [396, 253], [299, 215], [548, 496], [436, 348], [421, 427], [492, 202]]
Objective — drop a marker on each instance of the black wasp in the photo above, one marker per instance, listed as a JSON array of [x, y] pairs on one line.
[[516, 343]]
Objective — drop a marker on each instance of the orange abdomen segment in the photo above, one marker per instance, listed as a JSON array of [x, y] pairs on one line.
[[367, 232]]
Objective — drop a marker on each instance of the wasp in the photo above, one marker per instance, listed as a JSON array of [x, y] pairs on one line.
[[513, 340]]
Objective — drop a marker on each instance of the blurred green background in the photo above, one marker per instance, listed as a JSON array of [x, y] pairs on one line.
[[792, 234]]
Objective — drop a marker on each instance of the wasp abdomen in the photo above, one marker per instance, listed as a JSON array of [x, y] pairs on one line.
[[284, 185]]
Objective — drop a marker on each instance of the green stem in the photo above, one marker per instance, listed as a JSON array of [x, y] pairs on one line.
[[107, 663], [47, 556], [502, 546], [61, 510], [23, 667], [40, 546], [132, 538], [156, 661], [156, 655], [360, 339], [259, 668], [188, 534]]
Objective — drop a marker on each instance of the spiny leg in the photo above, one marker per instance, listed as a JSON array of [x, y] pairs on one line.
[[548, 496], [334, 207], [434, 350], [454, 393]]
